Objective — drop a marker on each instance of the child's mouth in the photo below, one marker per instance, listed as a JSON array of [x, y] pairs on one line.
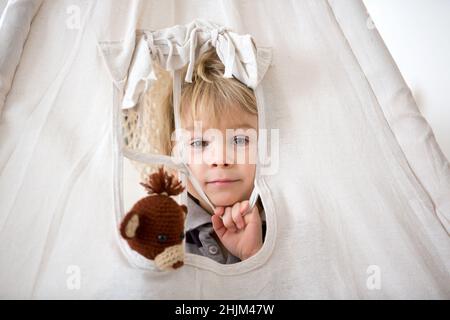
[[222, 183]]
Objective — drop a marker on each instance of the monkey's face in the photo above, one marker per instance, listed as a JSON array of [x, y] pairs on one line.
[[155, 229]]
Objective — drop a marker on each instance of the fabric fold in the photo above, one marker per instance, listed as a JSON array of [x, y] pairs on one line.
[[173, 48]]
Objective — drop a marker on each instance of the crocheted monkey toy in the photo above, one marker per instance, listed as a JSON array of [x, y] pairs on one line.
[[154, 227]]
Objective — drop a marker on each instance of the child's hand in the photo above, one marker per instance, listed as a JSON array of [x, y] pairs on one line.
[[239, 229]]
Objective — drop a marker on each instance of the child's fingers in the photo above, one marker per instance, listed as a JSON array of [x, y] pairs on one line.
[[218, 226], [228, 219], [219, 211], [237, 216], [245, 205]]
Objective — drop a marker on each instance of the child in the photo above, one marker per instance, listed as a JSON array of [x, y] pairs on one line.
[[233, 232]]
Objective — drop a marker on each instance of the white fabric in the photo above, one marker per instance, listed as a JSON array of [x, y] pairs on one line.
[[180, 45], [15, 21], [3, 4], [361, 185]]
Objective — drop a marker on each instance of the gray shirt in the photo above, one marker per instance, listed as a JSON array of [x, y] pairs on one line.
[[199, 234]]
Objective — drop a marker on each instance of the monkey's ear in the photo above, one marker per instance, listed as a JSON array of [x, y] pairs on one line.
[[129, 225]]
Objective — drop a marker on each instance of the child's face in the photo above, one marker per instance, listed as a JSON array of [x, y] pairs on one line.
[[216, 154]]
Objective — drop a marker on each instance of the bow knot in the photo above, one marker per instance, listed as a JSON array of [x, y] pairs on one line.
[[215, 35]]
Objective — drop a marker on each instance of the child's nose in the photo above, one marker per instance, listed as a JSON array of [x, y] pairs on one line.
[[220, 165], [224, 158]]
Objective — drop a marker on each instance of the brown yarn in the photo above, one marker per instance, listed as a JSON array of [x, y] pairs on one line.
[[156, 222], [163, 182]]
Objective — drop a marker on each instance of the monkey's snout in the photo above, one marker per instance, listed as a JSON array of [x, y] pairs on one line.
[[171, 257]]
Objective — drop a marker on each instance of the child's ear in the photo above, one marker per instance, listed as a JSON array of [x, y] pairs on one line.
[[129, 225]]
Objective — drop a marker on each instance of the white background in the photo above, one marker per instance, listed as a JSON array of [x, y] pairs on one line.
[[417, 34]]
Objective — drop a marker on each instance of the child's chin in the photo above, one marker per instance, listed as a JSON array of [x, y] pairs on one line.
[[225, 201]]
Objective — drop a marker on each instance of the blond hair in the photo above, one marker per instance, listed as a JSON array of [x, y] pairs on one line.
[[209, 96]]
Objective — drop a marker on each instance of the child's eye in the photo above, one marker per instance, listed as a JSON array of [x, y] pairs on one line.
[[241, 140], [199, 143]]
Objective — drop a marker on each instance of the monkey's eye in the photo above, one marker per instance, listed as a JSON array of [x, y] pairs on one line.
[[182, 236], [162, 238]]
